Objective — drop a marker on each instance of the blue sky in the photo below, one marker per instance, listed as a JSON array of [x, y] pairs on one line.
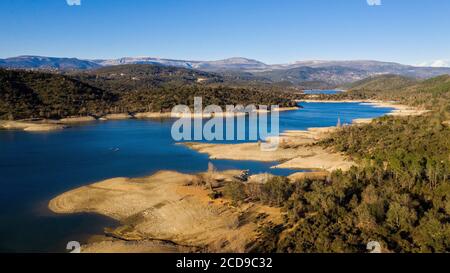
[[273, 31]]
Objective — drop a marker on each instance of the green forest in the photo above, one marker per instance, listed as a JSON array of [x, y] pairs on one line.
[[430, 94], [399, 195], [123, 89]]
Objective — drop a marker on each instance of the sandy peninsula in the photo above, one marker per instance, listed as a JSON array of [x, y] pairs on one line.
[[296, 151], [225, 114], [152, 115], [280, 109], [75, 120], [47, 125], [167, 212], [31, 126], [44, 125], [118, 116], [399, 109]]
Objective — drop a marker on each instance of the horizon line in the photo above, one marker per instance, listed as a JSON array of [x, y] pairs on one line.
[[215, 60]]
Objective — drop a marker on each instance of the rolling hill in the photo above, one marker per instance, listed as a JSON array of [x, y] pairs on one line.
[[433, 93], [120, 89], [323, 77], [381, 83], [47, 95]]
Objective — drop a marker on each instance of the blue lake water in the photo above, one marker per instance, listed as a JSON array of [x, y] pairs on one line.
[[322, 92], [36, 167]]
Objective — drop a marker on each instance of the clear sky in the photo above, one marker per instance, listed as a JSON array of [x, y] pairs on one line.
[[273, 31]]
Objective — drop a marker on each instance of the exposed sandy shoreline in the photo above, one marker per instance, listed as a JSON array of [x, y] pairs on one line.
[[165, 207], [295, 151], [399, 109], [30, 126], [75, 120], [118, 116], [53, 125]]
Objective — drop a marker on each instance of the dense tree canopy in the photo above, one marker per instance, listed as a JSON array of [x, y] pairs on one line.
[[399, 195], [129, 89]]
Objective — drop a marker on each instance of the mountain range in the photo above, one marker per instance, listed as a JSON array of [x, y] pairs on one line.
[[315, 73], [49, 63]]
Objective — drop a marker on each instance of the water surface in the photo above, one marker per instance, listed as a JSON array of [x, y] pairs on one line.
[[322, 92]]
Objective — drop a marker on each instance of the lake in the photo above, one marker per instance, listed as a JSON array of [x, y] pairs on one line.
[[36, 167], [322, 92]]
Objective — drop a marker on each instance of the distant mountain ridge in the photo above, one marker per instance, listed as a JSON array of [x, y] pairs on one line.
[[227, 64], [48, 63], [144, 60], [322, 73]]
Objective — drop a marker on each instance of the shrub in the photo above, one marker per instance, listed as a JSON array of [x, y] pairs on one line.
[[276, 191], [235, 191]]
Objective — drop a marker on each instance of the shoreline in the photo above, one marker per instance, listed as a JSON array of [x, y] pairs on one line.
[[44, 125], [170, 212], [399, 109], [31, 126], [297, 149], [170, 208]]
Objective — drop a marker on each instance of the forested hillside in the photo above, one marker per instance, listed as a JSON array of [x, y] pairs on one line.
[[399, 195], [326, 76], [132, 77], [381, 83], [431, 94], [132, 89], [144, 76], [36, 94]]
